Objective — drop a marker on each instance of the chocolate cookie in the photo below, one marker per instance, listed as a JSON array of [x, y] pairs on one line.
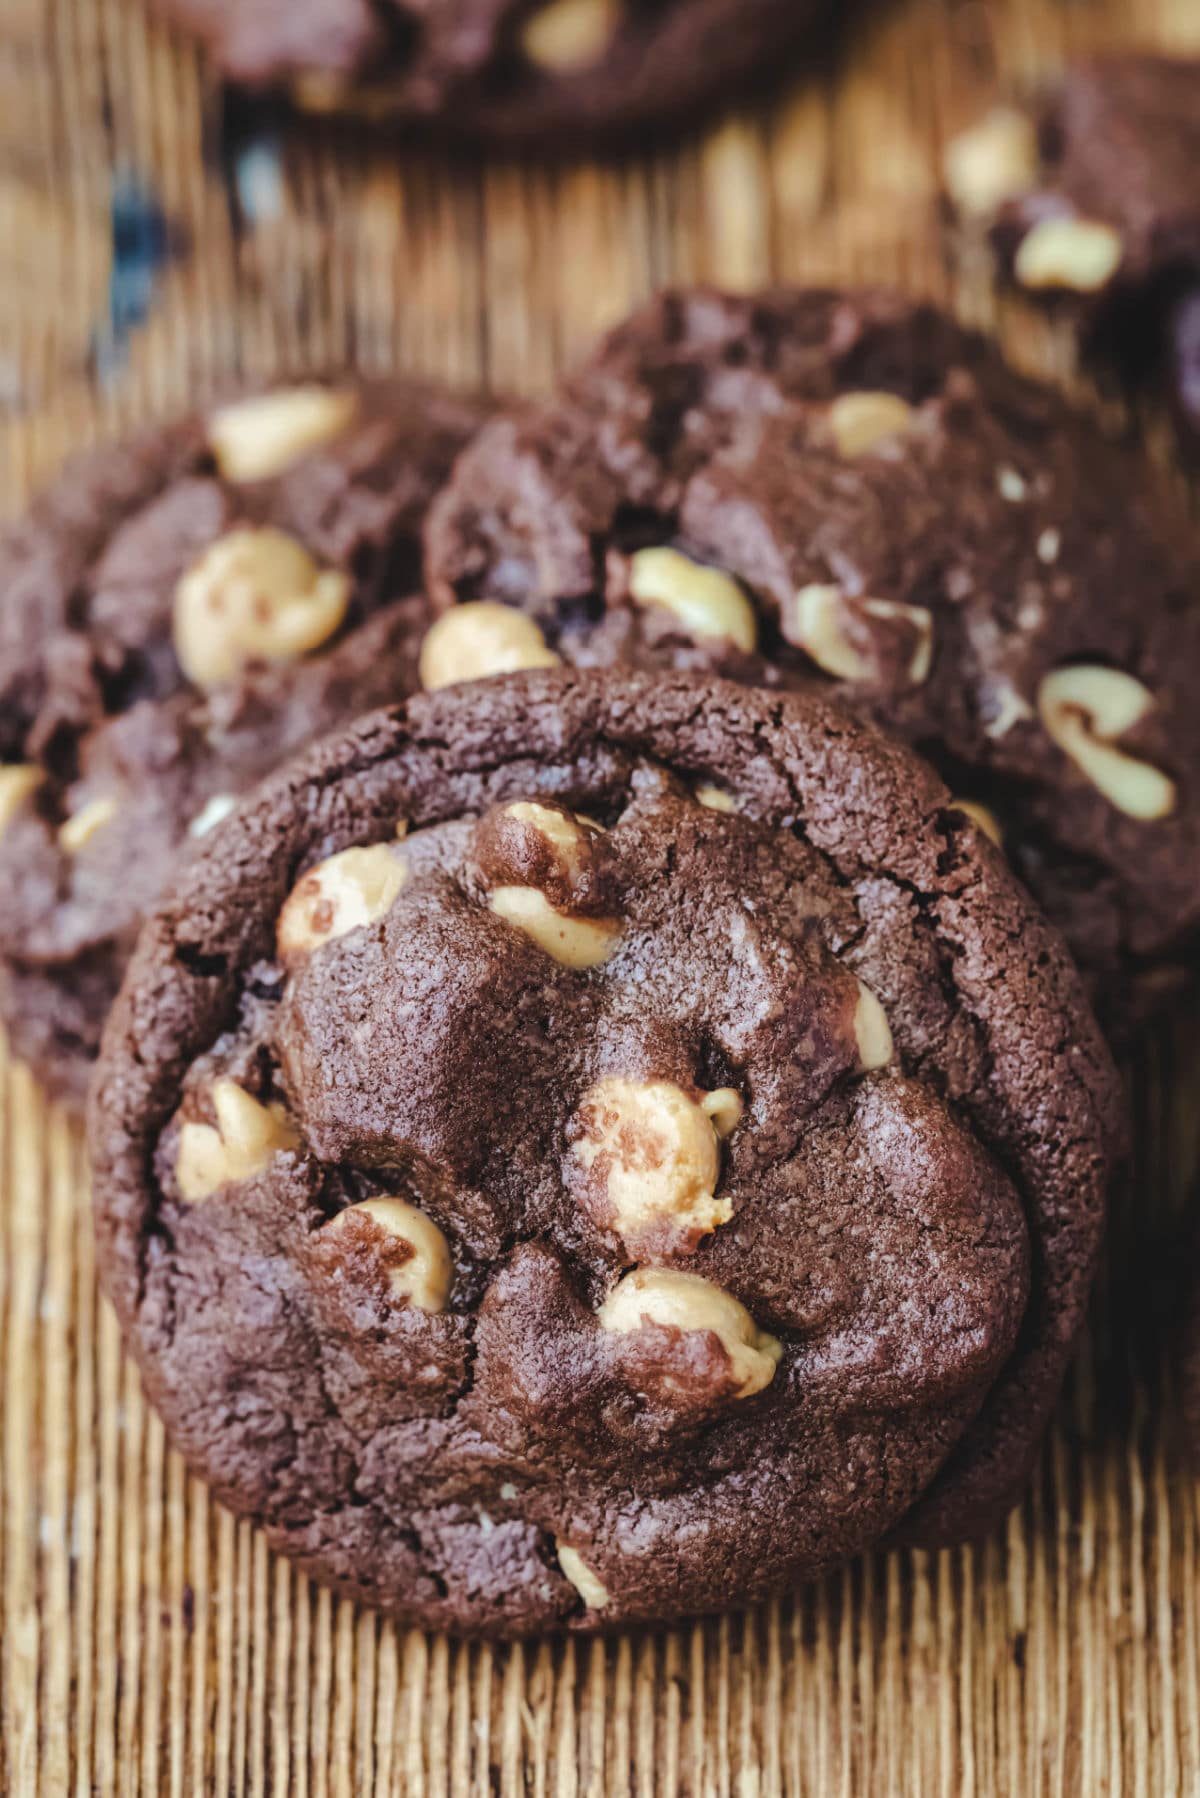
[[586, 1148], [176, 615], [848, 488], [1090, 196], [510, 69]]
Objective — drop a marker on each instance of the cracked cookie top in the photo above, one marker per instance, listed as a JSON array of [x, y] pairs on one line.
[[847, 490], [574, 1150], [177, 614], [506, 69]]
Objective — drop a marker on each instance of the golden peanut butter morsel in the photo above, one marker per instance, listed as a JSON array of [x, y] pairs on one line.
[[1086, 710], [993, 161], [479, 639], [686, 1301], [423, 1277], [573, 938], [566, 834], [657, 1153], [872, 1032], [254, 596], [246, 1136], [256, 438], [569, 35], [983, 817], [590, 1588], [1081, 255], [707, 602], [864, 421], [715, 799], [77, 831], [816, 623], [576, 942], [351, 889], [19, 781]]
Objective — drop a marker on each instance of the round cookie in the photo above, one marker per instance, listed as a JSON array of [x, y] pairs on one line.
[[849, 488], [1090, 199], [177, 614], [505, 69], [577, 1149]]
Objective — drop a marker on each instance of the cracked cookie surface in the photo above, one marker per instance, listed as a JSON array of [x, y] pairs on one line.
[[177, 614], [576, 1150], [848, 490]]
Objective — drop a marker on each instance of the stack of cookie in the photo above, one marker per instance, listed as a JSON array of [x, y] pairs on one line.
[[625, 1128]]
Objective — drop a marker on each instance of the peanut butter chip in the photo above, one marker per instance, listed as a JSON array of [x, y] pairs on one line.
[[716, 799], [355, 888], [18, 783], [861, 422], [254, 596], [256, 438], [983, 818], [683, 1301], [248, 1134], [1085, 710], [576, 942], [568, 35], [993, 161], [816, 623], [724, 1109], [920, 620], [707, 603], [656, 1152], [79, 829], [593, 1592], [572, 938], [565, 834], [1081, 255], [423, 1277], [815, 626], [872, 1031], [479, 639]]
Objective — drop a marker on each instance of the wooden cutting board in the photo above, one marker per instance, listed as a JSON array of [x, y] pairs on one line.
[[148, 1643]]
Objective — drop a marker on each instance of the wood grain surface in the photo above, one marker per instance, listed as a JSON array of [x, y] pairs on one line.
[[152, 242]]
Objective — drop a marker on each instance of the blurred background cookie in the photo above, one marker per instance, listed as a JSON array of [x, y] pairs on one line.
[[565, 69], [176, 614], [1090, 197], [848, 488]]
